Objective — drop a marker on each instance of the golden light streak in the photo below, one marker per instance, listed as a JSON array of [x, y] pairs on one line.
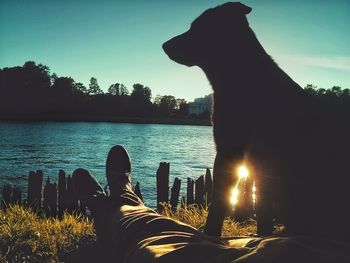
[[254, 193], [234, 196], [242, 172]]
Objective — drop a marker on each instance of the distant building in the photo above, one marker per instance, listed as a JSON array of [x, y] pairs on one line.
[[200, 105]]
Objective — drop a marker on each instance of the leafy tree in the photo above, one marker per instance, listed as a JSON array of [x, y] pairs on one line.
[[141, 93], [118, 90], [311, 89], [157, 100], [167, 104], [80, 86], [346, 93], [123, 90], [182, 107], [36, 77], [180, 103], [114, 89], [64, 85], [53, 78], [336, 90], [65, 88], [94, 88], [321, 91]]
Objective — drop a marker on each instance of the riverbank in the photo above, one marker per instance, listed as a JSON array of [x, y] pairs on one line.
[[171, 121]]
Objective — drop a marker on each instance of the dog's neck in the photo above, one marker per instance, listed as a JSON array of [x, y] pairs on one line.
[[245, 70]]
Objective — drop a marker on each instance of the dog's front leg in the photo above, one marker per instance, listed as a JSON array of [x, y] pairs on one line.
[[266, 197], [223, 180]]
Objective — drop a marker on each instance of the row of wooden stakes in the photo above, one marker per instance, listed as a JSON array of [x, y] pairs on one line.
[[54, 199]]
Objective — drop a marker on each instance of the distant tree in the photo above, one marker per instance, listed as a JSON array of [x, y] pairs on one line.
[[167, 104], [140, 101], [53, 78], [157, 99], [321, 91], [123, 90], [36, 77], [182, 107], [141, 93], [118, 90], [64, 87], [94, 88], [336, 90], [346, 93], [180, 103], [80, 86], [311, 89], [114, 89]]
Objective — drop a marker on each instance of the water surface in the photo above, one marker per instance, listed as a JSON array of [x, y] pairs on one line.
[[51, 146]]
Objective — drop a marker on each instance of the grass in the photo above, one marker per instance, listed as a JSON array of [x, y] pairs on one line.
[[27, 237], [196, 217]]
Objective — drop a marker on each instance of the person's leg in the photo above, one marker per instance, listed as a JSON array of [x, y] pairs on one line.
[[140, 233], [136, 233]]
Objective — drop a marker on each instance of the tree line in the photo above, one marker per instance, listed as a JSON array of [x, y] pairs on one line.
[[31, 92]]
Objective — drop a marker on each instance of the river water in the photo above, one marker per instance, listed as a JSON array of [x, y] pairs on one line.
[[51, 146]]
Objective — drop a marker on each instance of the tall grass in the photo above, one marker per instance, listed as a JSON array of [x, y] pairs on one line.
[[26, 237], [196, 217]]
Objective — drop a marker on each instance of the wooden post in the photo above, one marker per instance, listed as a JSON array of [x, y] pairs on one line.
[[175, 193], [72, 201], [45, 198], [30, 194], [6, 196], [190, 188], [137, 191], [16, 195], [199, 193], [162, 185], [62, 193], [208, 186], [50, 198], [35, 182]]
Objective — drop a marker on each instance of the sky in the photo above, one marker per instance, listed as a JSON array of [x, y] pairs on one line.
[[119, 41]]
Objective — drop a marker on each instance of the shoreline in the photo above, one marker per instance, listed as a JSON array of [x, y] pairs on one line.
[[133, 120]]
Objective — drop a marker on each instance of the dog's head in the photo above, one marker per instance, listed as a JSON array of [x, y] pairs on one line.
[[212, 30]]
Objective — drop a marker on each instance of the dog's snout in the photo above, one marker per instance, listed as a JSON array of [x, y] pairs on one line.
[[180, 49], [165, 46]]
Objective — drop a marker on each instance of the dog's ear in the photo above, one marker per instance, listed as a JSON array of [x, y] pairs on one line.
[[237, 7]]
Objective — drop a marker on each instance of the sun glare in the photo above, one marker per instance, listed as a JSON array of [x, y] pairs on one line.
[[234, 196], [243, 172]]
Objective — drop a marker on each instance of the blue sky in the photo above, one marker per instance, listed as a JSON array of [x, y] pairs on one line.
[[120, 41]]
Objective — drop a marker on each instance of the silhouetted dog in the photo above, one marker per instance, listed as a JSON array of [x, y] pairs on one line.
[[292, 142]]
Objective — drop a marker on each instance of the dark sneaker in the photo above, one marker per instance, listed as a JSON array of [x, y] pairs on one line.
[[118, 169], [87, 188]]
